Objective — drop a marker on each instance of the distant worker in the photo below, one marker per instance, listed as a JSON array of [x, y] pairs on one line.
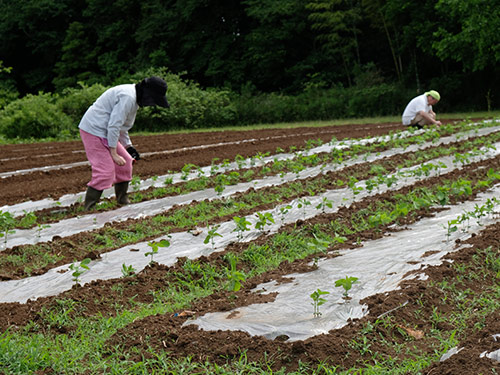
[[104, 132], [419, 111]]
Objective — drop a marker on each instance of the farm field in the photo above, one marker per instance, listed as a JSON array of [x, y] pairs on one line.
[[356, 249]]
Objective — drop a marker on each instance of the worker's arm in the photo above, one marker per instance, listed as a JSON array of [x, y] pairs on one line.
[[430, 117]]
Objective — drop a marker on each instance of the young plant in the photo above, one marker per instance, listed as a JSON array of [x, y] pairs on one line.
[[79, 269], [234, 276], [284, 211], [318, 245], [212, 233], [263, 220], [155, 245], [127, 270], [318, 301], [29, 219], [242, 225], [346, 284], [451, 228], [7, 222], [135, 183], [41, 227], [325, 202], [302, 204], [186, 170]]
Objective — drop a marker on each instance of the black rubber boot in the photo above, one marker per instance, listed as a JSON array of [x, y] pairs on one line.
[[91, 197], [121, 193]]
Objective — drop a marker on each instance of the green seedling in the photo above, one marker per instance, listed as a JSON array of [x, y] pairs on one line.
[[234, 276], [284, 211], [135, 183], [154, 179], [79, 269], [242, 225], [155, 245], [318, 301], [451, 227], [212, 233], [7, 222], [220, 183], [240, 161], [29, 219], [318, 244], [325, 202], [346, 284], [263, 220], [303, 203], [41, 227], [186, 170], [127, 270]]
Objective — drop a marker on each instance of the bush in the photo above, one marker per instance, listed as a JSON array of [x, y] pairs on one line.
[[190, 106], [322, 104], [35, 116], [74, 102]]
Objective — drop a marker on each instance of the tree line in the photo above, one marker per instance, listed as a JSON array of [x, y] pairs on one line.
[[257, 46]]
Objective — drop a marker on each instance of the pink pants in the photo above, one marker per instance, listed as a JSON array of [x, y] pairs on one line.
[[105, 172]]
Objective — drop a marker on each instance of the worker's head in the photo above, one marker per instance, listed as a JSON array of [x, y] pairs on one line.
[[433, 97], [151, 91]]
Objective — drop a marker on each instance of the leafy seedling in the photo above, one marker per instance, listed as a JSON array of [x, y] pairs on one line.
[[318, 301], [346, 284], [242, 225], [155, 245], [263, 220], [212, 233], [324, 204], [234, 276], [79, 269], [284, 211], [136, 183], [7, 222], [41, 227], [303, 203], [128, 270]]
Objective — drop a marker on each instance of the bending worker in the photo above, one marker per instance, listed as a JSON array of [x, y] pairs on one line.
[[104, 132], [419, 111]]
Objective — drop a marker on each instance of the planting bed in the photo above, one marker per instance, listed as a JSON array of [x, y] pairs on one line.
[[214, 266]]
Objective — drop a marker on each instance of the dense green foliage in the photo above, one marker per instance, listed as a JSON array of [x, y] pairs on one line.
[[252, 61], [57, 115], [267, 45]]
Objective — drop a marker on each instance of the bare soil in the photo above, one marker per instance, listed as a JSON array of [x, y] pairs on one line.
[[165, 332]]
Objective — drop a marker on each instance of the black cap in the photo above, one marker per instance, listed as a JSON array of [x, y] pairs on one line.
[[153, 90]]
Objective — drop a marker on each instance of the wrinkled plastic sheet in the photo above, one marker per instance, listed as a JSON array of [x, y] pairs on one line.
[[379, 265], [145, 154], [84, 223], [69, 199], [183, 244]]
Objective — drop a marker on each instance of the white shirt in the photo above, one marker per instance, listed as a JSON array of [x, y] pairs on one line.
[[112, 115], [416, 105]]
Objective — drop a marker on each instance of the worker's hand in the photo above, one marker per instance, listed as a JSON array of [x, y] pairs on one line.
[[133, 152], [116, 158], [438, 123]]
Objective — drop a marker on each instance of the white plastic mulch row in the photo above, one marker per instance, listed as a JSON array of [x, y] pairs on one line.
[[79, 164], [379, 265], [145, 154], [186, 244], [84, 223], [69, 199]]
